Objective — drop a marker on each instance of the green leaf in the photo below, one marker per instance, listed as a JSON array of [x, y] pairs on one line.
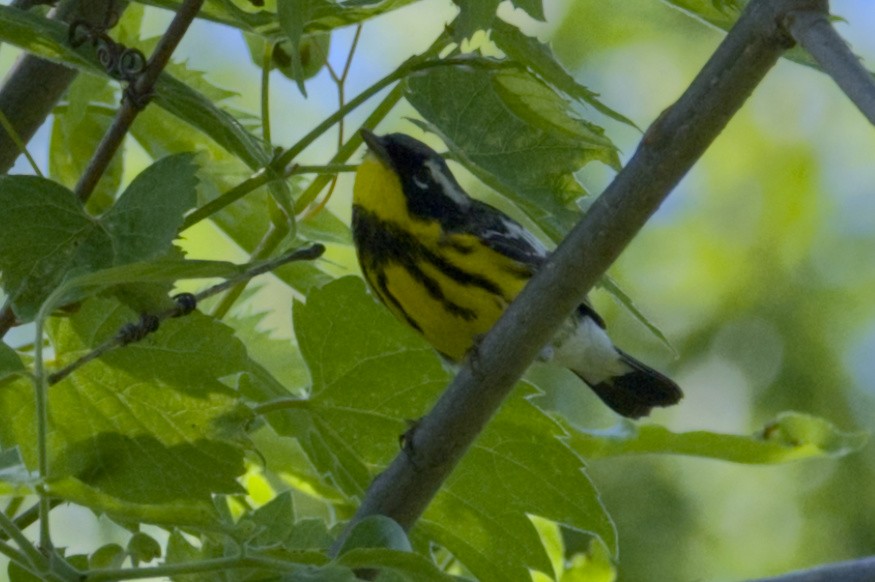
[[514, 133], [196, 109], [274, 521], [51, 237], [377, 531], [143, 547], [47, 236], [791, 436], [146, 218], [369, 375], [147, 432], [534, 8], [539, 57], [519, 466]]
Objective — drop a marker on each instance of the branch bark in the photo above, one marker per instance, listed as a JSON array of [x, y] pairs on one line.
[[813, 31], [667, 151], [862, 570], [33, 86]]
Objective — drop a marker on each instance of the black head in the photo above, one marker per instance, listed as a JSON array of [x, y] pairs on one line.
[[431, 190]]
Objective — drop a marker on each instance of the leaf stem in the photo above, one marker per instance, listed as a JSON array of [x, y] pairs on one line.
[[31, 555], [302, 254]]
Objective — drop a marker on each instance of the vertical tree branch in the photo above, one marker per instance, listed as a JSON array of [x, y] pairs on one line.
[[667, 151]]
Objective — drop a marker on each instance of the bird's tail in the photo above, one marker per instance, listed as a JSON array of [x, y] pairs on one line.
[[635, 392]]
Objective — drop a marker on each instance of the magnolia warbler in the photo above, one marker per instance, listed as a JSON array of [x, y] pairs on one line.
[[448, 265]]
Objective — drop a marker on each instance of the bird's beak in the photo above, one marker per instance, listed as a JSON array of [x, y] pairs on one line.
[[375, 145]]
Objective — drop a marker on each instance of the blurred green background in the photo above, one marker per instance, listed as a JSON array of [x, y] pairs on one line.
[[760, 269]]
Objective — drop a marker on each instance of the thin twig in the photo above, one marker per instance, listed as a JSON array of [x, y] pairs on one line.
[[148, 324], [812, 29], [667, 151], [341, 100], [135, 97]]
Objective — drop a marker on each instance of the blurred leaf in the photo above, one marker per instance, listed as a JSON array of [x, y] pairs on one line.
[[10, 362], [594, 565], [298, 65], [149, 432], [791, 436], [514, 133], [325, 227], [143, 547], [539, 57], [107, 556], [611, 286], [376, 531], [50, 236], [306, 54], [370, 374]]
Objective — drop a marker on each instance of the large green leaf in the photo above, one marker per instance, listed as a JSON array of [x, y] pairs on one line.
[[513, 132], [539, 57], [50, 236], [147, 432], [791, 436], [369, 375]]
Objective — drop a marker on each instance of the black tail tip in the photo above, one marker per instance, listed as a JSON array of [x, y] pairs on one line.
[[635, 394]]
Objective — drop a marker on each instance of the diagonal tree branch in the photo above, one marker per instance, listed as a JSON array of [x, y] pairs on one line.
[[140, 90], [813, 30], [667, 151]]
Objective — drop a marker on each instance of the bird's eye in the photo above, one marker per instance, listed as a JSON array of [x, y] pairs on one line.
[[422, 177]]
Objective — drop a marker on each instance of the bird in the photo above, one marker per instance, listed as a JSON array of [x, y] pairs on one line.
[[448, 265]]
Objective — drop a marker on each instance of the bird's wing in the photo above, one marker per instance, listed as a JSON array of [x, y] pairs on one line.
[[506, 236]]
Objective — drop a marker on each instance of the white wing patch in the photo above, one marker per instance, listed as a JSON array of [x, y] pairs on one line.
[[447, 185]]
